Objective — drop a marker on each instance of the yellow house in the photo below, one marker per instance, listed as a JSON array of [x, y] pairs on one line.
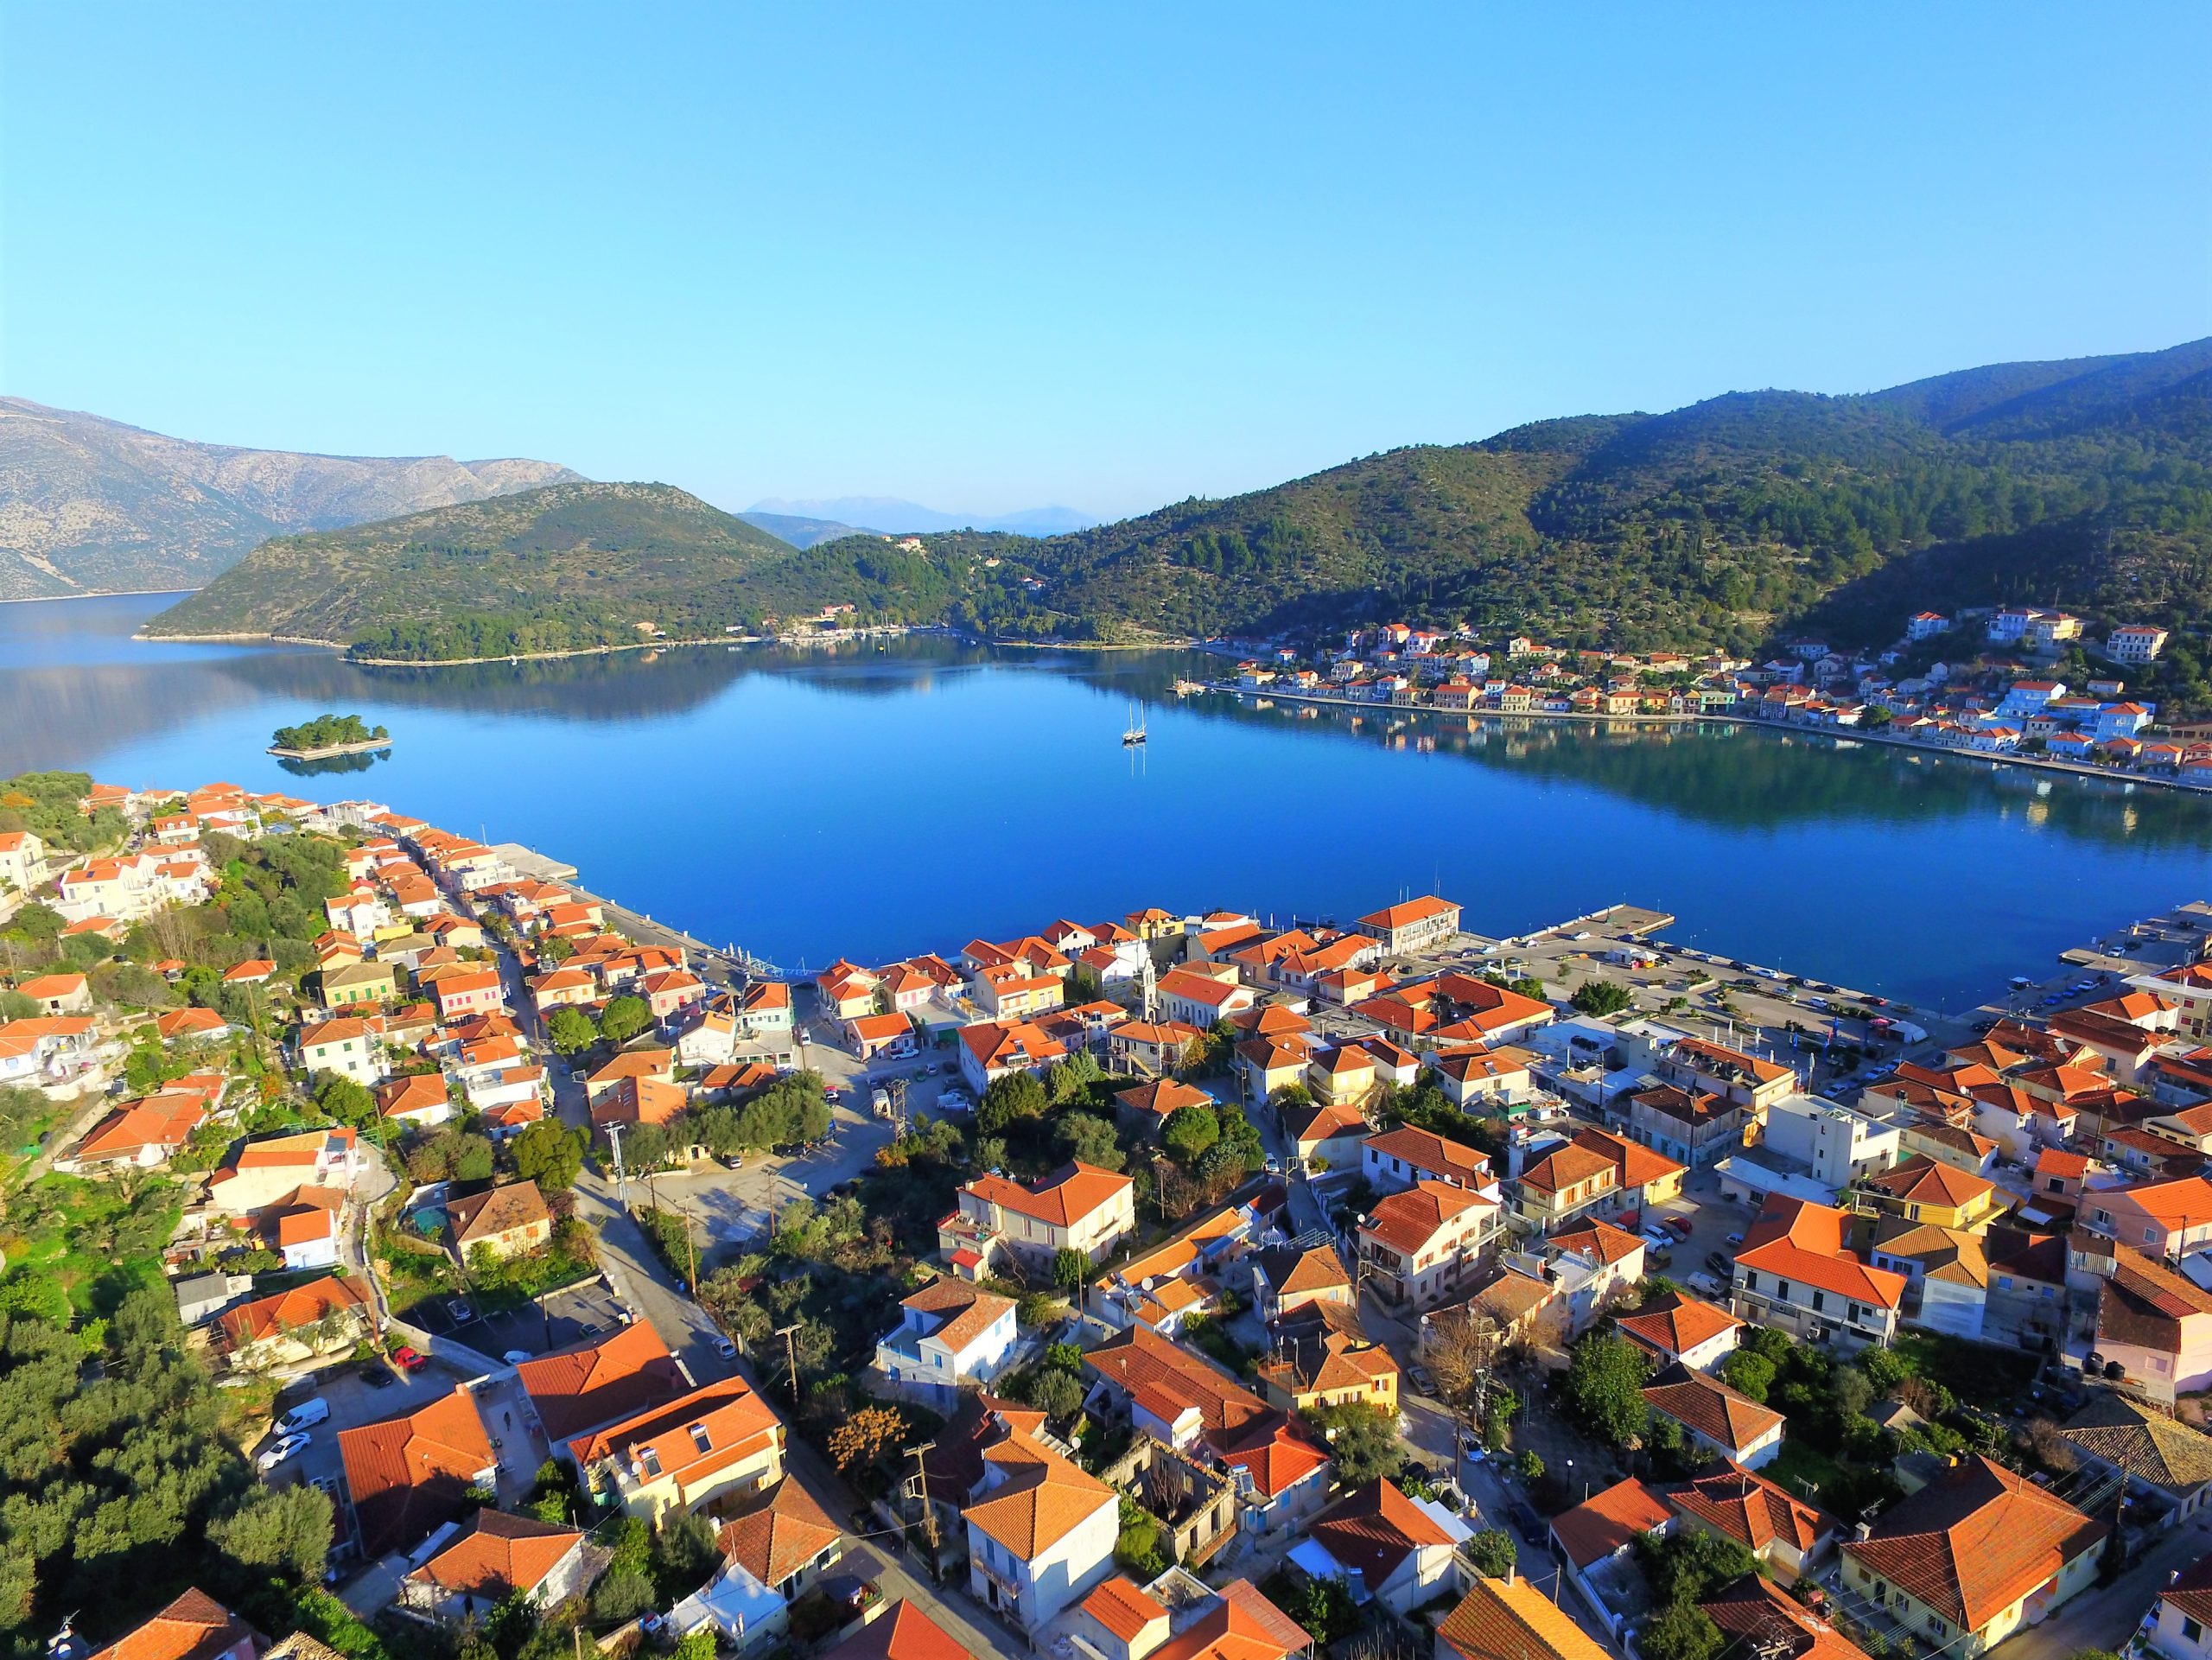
[[1929, 1562], [346, 983], [1921, 1190], [704, 1451], [1323, 1368]]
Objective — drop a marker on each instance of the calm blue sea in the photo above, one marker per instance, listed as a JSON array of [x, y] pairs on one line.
[[871, 805]]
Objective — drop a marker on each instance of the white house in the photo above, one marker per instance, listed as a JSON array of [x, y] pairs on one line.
[[1041, 1531], [1401, 1552], [949, 1333], [2182, 1614]]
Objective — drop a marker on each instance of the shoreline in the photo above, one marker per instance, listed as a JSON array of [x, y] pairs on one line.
[[346, 649], [1838, 735], [327, 750], [94, 593]]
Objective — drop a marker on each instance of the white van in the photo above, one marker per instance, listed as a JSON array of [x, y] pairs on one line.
[[307, 1412]]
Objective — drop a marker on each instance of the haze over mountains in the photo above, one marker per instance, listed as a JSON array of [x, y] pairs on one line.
[[89, 505], [890, 515]]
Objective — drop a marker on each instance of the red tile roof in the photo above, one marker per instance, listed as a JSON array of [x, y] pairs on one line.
[[408, 1474], [1975, 1542]]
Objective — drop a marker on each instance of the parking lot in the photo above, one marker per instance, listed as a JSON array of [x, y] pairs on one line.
[[555, 1321]]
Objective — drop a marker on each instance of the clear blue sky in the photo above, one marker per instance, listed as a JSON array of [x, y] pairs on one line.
[[1099, 256]]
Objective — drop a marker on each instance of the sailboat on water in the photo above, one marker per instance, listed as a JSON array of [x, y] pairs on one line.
[[1134, 734]]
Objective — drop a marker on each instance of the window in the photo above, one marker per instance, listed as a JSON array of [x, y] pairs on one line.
[[1750, 1280], [1820, 1300], [700, 1439], [2192, 1632], [1938, 1626]]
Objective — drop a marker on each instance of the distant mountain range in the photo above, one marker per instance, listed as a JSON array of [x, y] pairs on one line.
[[888, 515], [1726, 524], [90, 506]]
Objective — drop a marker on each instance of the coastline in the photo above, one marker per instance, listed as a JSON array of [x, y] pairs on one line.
[[94, 593], [526, 656], [328, 749], [1842, 734]]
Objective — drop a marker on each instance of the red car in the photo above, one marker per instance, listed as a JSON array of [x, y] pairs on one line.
[[1680, 1224], [408, 1359]]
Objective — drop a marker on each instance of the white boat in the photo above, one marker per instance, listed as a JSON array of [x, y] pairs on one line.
[[1135, 733]]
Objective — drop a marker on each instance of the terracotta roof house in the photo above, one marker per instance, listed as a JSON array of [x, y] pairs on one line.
[[496, 1557], [1240, 1624], [1327, 1368], [408, 1474], [1921, 1190], [781, 1538], [1677, 1326], [1155, 1102], [1123, 1620], [138, 1135], [1400, 1157], [1562, 1184], [1786, 1534], [1383, 1544], [600, 1381], [2155, 1325], [506, 1220], [295, 1325], [1288, 1278], [1795, 1272], [902, 1632], [949, 1333], [1041, 1531], [684, 1453], [1608, 1523], [1511, 1619], [1182, 1400], [194, 1627], [1079, 1207], [1718, 1420], [2183, 1614], [1971, 1557], [1756, 1618], [1421, 1246]]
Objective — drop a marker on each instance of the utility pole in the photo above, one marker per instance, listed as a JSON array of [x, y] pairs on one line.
[[621, 1186], [929, 1516], [691, 1248], [791, 1354]]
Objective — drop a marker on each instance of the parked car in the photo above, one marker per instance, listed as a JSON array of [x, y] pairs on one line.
[[459, 1311], [1680, 1224], [283, 1447], [1735, 1239], [1719, 1264], [409, 1359], [515, 1356], [1423, 1382], [1527, 1522], [725, 1348], [1704, 1284], [377, 1374]]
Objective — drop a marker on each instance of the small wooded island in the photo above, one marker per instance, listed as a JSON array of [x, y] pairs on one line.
[[327, 734]]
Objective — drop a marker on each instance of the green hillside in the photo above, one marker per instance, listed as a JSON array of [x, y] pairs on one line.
[[2086, 484], [567, 567]]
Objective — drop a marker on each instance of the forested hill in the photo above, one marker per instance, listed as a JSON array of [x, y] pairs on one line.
[[2086, 484], [569, 567]]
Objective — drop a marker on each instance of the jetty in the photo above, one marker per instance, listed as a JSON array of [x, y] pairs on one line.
[[323, 752]]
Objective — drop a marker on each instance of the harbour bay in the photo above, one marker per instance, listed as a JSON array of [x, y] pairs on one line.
[[809, 804]]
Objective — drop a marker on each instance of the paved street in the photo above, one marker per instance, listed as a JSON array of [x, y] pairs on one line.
[[2102, 1618]]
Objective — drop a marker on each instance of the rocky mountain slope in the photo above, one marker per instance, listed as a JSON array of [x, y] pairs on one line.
[[92, 506]]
